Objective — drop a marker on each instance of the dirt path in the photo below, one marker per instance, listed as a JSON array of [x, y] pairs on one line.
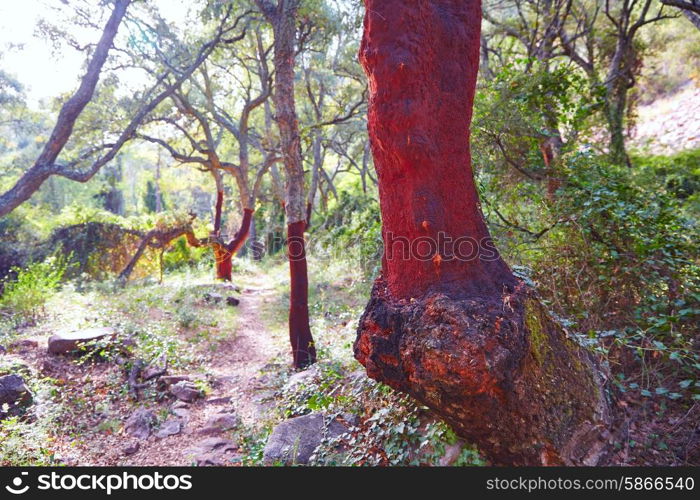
[[236, 370], [238, 363], [238, 387]]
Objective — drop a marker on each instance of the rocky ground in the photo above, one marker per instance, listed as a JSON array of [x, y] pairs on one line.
[[669, 124], [179, 418]]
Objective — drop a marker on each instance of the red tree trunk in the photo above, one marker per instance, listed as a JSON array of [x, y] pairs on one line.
[[224, 263], [224, 253], [239, 239], [448, 322], [303, 350], [283, 17]]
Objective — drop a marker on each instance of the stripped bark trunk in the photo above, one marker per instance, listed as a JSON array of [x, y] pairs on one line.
[[282, 16], [450, 325], [224, 252]]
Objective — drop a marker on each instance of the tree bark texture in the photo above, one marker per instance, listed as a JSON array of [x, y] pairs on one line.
[[457, 330], [282, 16]]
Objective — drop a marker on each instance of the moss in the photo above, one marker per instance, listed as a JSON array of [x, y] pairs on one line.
[[539, 343]]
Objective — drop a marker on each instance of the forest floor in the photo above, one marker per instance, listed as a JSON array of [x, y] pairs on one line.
[[239, 361], [237, 357]]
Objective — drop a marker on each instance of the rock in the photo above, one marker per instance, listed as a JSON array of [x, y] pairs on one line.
[[294, 441], [219, 401], [151, 372], [180, 404], [213, 298], [229, 286], [232, 301], [65, 342], [24, 345], [139, 423], [170, 427], [13, 391], [132, 448], [185, 391], [168, 380], [214, 452], [303, 378], [220, 422], [181, 412], [356, 376], [452, 453]]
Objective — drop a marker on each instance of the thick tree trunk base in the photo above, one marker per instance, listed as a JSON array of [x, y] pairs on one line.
[[500, 370]]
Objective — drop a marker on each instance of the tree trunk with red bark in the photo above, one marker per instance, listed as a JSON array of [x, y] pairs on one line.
[[448, 322], [224, 252], [282, 16]]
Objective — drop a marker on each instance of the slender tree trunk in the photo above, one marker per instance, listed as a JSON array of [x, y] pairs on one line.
[[551, 153], [159, 199], [218, 208], [254, 244], [448, 322], [618, 82], [283, 19], [615, 106], [222, 259]]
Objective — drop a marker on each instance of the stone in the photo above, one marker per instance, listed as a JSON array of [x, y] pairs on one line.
[[181, 412], [232, 301], [220, 422], [13, 391], [293, 441], [24, 345], [132, 448], [139, 423], [214, 452], [168, 380], [66, 342], [185, 391], [213, 298], [219, 401], [170, 427], [303, 378], [229, 286], [452, 453], [151, 372]]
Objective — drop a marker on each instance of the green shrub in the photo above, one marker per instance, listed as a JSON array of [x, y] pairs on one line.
[[352, 232], [24, 297]]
